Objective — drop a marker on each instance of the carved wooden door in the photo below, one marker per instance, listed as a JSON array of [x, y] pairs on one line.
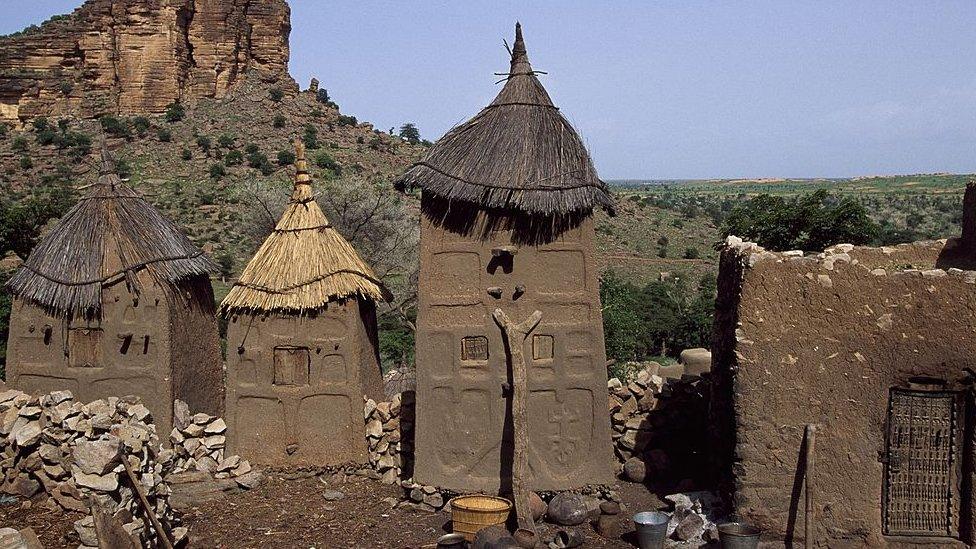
[[921, 489]]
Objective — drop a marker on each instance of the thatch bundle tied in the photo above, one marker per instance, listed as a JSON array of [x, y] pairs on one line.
[[111, 234], [518, 153], [304, 264]]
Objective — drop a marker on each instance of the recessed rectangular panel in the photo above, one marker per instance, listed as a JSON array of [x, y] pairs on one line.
[[458, 275], [260, 430], [329, 368], [542, 347], [326, 432], [565, 271], [474, 348], [291, 366], [84, 347]]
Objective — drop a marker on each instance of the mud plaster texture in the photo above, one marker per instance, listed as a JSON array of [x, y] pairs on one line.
[[159, 345], [463, 429], [822, 340], [295, 385]]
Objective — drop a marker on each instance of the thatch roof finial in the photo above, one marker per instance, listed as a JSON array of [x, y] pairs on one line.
[[301, 165], [520, 57], [107, 166]]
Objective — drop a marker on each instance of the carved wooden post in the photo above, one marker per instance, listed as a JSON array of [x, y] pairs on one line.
[[516, 334]]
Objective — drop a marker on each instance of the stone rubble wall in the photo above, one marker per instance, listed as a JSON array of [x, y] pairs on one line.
[[71, 452]]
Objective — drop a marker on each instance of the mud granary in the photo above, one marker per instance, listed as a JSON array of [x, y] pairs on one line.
[[301, 341], [507, 203], [115, 301], [874, 348]]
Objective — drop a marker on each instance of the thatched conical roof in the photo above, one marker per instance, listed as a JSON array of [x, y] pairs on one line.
[[518, 153], [304, 264], [110, 234]]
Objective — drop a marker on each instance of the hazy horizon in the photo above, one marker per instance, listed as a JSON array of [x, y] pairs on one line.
[[665, 90]]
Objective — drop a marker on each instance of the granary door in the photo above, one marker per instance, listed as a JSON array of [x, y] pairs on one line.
[[922, 465]]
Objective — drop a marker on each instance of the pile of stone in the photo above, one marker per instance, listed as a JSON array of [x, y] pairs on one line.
[[658, 423], [694, 518], [198, 442], [421, 497], [389, 435], [629, 405], [73, 452]]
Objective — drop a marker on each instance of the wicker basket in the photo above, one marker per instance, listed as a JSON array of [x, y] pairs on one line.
[[472, 513]]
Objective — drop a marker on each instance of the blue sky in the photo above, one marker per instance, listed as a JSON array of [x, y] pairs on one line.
[[664, 89]]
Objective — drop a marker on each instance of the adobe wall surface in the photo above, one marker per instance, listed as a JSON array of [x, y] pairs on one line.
[[127, 353], [198, 370], [463, 426], [822, 340], [295, 386]]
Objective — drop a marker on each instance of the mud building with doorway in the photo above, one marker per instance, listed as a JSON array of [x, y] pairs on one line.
[[874, 348], [116, 301], [302, 346]]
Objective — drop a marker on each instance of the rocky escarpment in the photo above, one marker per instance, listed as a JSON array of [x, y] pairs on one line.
[[138, 56]]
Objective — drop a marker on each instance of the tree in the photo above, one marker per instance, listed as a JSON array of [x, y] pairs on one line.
[[174, 112], [810, 222], [410, 132]]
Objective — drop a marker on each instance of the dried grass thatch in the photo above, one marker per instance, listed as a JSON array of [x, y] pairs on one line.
[[304, 264], [111, 234], [518, 153]]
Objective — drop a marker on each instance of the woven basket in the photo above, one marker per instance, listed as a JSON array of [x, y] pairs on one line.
[[472, 513]]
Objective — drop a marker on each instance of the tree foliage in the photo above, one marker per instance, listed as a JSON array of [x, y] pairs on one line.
[[809, 222], [659, 318]]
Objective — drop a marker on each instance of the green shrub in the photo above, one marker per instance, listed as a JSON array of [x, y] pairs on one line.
[[63, 124], [115, 126], [77, 143], [251, 149], [277, 94], [311, 137], [46, 136], [175, 112], [204, 143], [410, 132], [217, 170], [186, 154], [41, 123], [164, 135], [141, 125], [322, 96], [225, 141], [19, 144], [26, 163], [66, 86], [346, 120], [233, 158], [279, 121], [3, 130], [324, 160], [692, 252], [123, 168], [286, 158]]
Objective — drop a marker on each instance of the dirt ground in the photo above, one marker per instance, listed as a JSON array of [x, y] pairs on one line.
[[294, 513]]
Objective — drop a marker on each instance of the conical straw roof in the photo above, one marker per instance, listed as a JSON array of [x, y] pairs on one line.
[[519, 153], [110, 234], [304, 264]]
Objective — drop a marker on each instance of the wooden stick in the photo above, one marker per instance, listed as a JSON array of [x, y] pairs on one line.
[[811, 459], [160, 532], [516, 334]]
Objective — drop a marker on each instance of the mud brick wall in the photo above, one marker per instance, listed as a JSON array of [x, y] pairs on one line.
[[822, 339]]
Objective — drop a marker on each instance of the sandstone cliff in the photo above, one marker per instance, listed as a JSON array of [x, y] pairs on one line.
[[138, 56]]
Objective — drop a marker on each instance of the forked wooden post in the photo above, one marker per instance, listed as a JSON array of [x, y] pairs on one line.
[[150, 512], [516, 334]]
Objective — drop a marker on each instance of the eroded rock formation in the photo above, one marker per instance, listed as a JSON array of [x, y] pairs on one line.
[[138, 56]]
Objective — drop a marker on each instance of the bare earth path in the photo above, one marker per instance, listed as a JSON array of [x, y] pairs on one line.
[[295, 513]]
